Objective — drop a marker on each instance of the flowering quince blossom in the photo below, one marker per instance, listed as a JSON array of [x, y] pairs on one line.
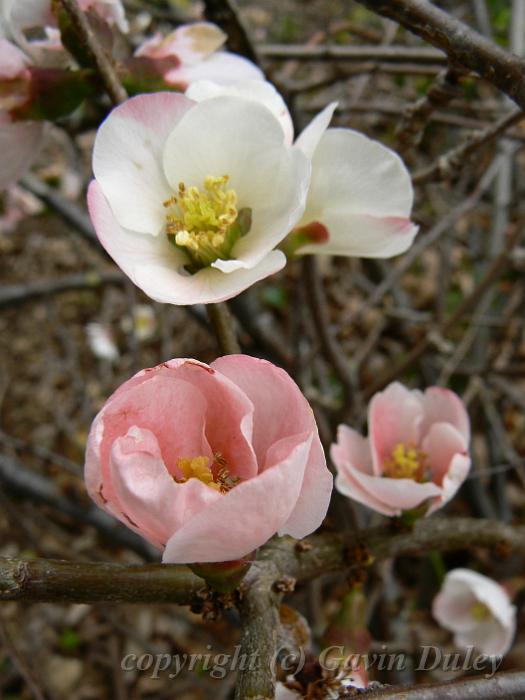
[[190, 199], [360, 195], [194, 54], [209, 462], [416, 453], [19, 140], [477, 610]]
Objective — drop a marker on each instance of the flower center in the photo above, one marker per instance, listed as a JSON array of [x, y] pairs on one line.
[[479, 611], [406, 462], [199, 468], [206, 223]]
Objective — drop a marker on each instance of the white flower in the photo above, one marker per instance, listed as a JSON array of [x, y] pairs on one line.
[[194, 50], [191, 199], [477, 610], [360, 196]]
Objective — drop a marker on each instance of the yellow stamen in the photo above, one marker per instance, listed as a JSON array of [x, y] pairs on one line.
[[199, 468], [202, 222], [479, 611], [406, 462]]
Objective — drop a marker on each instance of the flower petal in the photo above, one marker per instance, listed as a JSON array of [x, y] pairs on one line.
[[19, 145], [361, 235], [127, 158], [222, 67], [158, 267], [258, 90], [358, 175], [244, 518], [394, 416], [309, 138], [352, 447], [444, 406], [242, 139], [151, 502]]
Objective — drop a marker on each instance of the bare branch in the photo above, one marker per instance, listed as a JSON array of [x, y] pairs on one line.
[[327, 52], [503, 686], [222, 322], [462, 44]]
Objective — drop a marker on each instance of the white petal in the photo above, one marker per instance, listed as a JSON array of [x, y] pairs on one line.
[[361, 235], [242, 139], [157, 267], [258, 90], [127, 158], [221, 67], [310, 137], [354, 174]]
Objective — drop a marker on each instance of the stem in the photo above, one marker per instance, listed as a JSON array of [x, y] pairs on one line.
[[461, 43], [103, 64], [223, 325]]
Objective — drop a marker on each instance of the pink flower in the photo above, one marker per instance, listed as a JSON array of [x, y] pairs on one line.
[[19, 141], [416, 452], [194, 48], [477, 610], [209, 462]]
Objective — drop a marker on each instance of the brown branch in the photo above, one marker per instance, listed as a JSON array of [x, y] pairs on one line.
[[259, 609], [222, 322], [444, 89], [48, 581], [280, 560], [449, 163], [102, 62], [462, 44], [226, 15], [319, 308], [387, 54], [469, 303], [503, 686]]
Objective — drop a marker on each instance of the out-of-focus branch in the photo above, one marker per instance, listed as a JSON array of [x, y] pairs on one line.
[[225, 14], [462, 44], [442, 329], [102, 62], [503, 686], [387, 54], [17, 479], [450, 162], [222, 322]]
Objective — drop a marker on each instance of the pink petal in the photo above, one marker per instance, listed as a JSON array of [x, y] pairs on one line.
[[394, 416], [244, 518], [395, 495], [19, 146], [13, 63], [352, 447], [156, 266], [222, 67], [127, 158], [444, 406], [151, 502]]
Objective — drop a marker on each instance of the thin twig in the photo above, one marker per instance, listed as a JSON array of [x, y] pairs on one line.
[[462, 44], [469, 303], [102, 62], [394, 54], [223, 325], [503, 686]]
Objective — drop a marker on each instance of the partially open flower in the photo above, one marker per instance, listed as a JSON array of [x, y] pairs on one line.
[[416, 454], [194, 53], [208, 462], [191, 199], [477, 610]]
